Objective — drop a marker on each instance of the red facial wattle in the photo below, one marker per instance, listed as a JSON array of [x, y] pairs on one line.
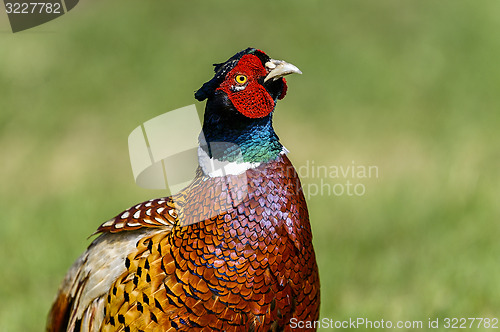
[[284, 90], [251, 98]]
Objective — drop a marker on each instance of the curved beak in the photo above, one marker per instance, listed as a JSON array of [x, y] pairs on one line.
[[279, 68]]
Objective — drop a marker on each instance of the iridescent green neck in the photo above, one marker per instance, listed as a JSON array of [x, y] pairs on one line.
[[249, 140]]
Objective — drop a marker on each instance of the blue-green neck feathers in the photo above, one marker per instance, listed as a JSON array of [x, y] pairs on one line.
[[249, 140]]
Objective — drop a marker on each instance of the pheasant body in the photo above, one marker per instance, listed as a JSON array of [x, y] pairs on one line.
[[230, 252]]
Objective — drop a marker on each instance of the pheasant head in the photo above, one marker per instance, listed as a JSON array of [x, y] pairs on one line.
[[241, 98]]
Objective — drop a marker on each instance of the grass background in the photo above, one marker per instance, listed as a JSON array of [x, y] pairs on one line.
[[408, 86]]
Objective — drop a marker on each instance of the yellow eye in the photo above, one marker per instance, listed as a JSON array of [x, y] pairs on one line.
[[241, 79]]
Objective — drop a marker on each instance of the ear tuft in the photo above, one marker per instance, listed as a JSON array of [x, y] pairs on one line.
[[221, 69]]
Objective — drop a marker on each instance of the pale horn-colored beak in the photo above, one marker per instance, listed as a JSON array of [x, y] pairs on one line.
[[280, 68]]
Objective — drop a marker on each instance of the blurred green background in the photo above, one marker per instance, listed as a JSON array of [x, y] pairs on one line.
[[411, 87]]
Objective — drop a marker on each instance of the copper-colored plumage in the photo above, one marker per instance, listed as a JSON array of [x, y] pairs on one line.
[[252, 267], [228, 253]]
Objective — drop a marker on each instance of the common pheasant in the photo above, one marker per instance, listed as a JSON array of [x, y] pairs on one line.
[[232, 251]]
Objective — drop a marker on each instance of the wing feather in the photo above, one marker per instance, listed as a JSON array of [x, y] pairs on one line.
[[79, 305], [155, 213]]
